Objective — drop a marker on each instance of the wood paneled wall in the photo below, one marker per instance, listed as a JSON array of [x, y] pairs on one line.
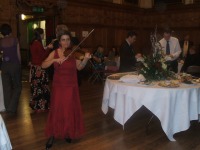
[[112, 21], [7, 14]]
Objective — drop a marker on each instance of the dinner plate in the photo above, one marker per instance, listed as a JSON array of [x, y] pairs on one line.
[[145, 83], [168, 85], [114, 77], [196, 80]]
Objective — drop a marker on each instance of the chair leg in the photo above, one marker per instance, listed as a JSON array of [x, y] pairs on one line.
[[95, 78], [90, 78], [147, 125]]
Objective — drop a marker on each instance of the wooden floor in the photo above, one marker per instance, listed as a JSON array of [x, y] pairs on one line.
[[26, 130]]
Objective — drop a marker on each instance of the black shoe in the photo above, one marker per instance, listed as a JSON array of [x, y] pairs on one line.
[[68, 140], [49, 143]]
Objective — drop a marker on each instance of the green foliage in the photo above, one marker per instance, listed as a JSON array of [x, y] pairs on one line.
[[155, 68]]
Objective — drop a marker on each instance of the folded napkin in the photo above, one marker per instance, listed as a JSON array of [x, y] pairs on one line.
[[168, 58], [132, 78]]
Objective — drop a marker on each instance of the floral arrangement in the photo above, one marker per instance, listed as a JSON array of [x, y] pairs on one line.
[[154, 66]]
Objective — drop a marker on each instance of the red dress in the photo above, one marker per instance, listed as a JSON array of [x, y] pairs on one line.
[[65, 116]]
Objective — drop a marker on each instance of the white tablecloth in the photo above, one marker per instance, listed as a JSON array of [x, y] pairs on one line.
[[4, 138], [175, 107], [2, 107]]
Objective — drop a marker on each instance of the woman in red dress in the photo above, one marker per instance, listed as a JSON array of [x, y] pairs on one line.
[[65, 116], [40, 94]]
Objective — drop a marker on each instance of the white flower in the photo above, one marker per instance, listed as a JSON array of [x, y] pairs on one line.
[[164, 66], [145, 64], [141, 77], [141, 59]]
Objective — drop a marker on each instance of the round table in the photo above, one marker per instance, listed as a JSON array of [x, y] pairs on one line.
[[2, 107], [174, 107], [5, 143]]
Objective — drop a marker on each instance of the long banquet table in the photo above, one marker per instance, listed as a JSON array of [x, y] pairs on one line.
[[2, 107], [174, 107]]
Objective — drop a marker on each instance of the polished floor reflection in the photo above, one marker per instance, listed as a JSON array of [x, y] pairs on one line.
[[26, 129]]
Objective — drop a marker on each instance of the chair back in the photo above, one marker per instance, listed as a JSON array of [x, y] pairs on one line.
[[194, 70]]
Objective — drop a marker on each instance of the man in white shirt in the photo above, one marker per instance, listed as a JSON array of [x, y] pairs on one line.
[[171, 47]]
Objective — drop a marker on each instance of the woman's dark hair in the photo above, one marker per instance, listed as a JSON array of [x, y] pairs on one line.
[[37, 35], [116, 51], [5, 29], [64, 33]]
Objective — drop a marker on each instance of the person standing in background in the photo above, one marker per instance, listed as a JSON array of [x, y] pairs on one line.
[[192, 59], [127, 53], [185, 45], [40, 95], [53, 40], [75, 41], [11, 69], [59, 28], [171, 48]]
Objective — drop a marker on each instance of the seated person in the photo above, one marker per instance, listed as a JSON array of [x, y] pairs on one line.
[[111, 57], [98, 58], [192, 59]]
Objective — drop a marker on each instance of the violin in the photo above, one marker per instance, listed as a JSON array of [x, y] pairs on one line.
[[78, 54], [68, 54]]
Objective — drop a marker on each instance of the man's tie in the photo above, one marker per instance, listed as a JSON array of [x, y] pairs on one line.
[[186, 42], [167, 48]]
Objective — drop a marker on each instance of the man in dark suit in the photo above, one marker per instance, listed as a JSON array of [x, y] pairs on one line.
[[127, 54], [185, 45]]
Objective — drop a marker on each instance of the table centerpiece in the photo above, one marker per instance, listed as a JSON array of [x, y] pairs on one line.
[[154, 67]]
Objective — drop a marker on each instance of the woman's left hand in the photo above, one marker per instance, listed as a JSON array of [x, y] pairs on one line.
[[50, 46], [87, 55]]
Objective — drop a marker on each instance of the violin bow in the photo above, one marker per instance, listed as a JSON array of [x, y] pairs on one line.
[[74, 49]]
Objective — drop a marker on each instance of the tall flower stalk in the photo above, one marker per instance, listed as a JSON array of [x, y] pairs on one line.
[[153, 66]]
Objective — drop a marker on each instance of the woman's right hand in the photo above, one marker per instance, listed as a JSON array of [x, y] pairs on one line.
[[50, 46], [59, 60]]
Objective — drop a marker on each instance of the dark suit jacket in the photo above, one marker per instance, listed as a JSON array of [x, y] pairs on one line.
[[181, 45], [127, 57], [55, 43], [191, 60]]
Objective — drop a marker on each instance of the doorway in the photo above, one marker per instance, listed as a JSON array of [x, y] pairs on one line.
[[25, 29]]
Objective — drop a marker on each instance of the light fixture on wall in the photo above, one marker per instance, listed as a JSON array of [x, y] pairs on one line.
[[25, 17], [187, 2], [35, 26], [117, 1], [146, 3]]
